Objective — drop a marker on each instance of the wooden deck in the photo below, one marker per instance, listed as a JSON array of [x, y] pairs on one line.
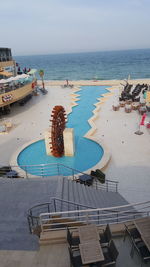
[[17, 94]]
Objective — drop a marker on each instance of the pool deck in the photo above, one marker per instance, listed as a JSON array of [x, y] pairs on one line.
[[130, 154], [129, 163]]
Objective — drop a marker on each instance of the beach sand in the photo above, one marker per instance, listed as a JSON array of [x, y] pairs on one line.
[[130, 153]]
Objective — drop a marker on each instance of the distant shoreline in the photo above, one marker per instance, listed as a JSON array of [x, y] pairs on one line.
[[94, 82]]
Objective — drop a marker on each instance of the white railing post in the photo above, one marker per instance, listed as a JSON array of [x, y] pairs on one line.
[[26, 172], [42, 230], [87, 218]]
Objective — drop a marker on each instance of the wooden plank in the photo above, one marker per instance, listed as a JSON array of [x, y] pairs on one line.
[[91, 252], [88, 233]]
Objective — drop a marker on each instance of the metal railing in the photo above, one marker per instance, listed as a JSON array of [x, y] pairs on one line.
[[56, 169], [43, 214], [9, 88], [33, 214], [100, 216], [109, 185]]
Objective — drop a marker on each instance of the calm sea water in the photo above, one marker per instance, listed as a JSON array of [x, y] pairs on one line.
[[87, 66]]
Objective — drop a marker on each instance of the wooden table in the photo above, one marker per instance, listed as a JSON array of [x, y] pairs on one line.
[[91, 252], [143, 226], [88, 233]]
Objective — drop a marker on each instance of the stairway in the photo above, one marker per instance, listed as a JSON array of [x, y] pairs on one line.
[[54, 237], [79, 193], [18, 195]]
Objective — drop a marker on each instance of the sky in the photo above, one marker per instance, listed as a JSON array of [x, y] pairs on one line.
[[33, 27]]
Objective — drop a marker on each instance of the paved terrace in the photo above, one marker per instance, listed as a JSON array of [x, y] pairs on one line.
[[57, 256], [130, 155], [18, 195], [129, 164]]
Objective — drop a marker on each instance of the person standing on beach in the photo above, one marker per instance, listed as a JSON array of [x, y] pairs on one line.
[[67, 82]]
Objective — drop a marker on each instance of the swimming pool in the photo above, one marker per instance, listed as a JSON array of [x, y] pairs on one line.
[[87, 152]]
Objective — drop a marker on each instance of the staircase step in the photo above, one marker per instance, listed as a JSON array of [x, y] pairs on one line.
[[71, 195], [61, 222], [53, 237], [65, 206]]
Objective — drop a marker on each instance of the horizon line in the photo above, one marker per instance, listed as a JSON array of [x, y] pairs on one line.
[[84, 52]]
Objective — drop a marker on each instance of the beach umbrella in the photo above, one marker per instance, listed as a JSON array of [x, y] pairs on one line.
[[18, 77], [9, 80], [22, 76], [3, 81], [32, 72], [15, 78]]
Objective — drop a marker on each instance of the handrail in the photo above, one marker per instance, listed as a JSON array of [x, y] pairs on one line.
[[99, 216], [36, 206], [58, 199], [72, 203], [34, 219], [86, 206], [57, 169], [102, 214], [15, 87], [108, 208]]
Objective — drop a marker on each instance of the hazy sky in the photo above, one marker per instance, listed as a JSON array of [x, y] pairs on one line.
[[61, 26]]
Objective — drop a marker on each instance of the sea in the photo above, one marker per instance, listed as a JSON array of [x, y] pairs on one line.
[[106, 65]]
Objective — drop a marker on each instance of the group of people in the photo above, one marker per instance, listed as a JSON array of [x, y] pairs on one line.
[[67, 84], [25, 70]]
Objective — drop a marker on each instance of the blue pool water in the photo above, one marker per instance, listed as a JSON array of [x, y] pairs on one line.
[[35, 153]]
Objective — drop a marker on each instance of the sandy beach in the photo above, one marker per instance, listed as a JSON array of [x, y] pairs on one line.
[[130, 153]]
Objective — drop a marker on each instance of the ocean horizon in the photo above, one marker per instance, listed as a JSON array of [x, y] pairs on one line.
[[104, 65]]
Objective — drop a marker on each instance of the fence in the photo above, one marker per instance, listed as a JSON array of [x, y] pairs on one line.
[[43, 215], [97, 216], [54, 169]]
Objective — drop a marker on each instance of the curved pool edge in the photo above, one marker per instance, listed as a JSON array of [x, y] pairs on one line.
[[13, 161], [106, 156], [100, 165]]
